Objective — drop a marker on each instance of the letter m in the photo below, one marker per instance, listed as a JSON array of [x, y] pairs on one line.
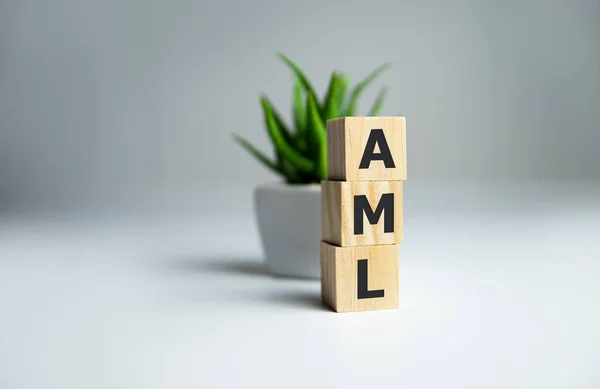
[[362, 207]]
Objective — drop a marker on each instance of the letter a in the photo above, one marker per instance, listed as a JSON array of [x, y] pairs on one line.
[[377, 137]]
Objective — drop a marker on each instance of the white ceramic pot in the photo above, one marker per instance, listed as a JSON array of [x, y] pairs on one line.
[[289, 220]]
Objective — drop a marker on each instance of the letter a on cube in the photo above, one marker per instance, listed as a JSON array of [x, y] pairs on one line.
[[359, 278], [366, 149]]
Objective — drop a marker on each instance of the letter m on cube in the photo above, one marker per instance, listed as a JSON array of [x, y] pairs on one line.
[[361, 213]]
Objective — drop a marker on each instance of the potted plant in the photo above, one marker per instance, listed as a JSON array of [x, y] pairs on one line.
[[289, 212]]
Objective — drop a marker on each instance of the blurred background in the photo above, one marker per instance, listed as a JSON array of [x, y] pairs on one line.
[[115, 102], [123, 106]]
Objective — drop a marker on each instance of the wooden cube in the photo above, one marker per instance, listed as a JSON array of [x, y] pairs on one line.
[[361, 213], [359, 278], [366, 149]]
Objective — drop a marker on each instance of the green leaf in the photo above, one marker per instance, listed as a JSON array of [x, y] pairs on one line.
[[299, 113], [280, 167], [330, 108], [299, 74], [358, 89], [310, 135], [376, 108], [259, 155], [318, 136], [291, 174], [329, 94], [281, 145], [344, 83], [285, 131], [279, 158]]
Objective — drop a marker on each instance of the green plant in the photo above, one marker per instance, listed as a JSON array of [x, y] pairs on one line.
[[301, 149]]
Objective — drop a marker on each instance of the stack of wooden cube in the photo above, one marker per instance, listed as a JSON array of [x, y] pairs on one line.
[[361, 213]]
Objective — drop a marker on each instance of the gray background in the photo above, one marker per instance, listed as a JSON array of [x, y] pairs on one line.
[[126, 103], [112, 100]]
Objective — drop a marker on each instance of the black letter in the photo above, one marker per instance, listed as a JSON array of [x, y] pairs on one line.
[[362, 204], [376, 137], [363, 287]]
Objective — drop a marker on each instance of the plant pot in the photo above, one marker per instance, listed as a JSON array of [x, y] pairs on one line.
[[289, 221]]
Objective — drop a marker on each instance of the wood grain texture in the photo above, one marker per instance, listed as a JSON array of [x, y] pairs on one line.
[[339, 277], [346, 141], [338, 213]]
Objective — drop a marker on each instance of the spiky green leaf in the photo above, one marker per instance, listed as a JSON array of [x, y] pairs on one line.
[[299, 74], [330, 108], [259, 155], [299, 114], [344, 83], [281, 145], [292, 175], [329, 93], [285, 130], [319, 137], [360, 87]]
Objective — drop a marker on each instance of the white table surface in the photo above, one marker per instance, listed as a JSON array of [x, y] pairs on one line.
[[500, 288]]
